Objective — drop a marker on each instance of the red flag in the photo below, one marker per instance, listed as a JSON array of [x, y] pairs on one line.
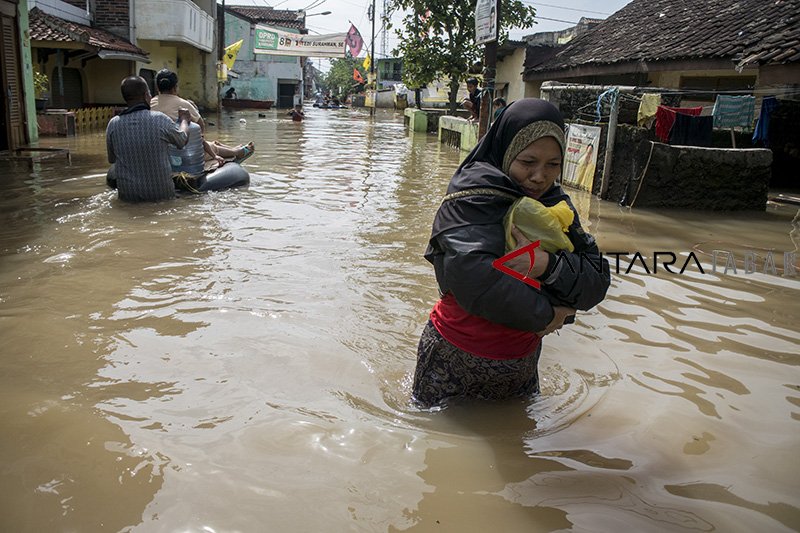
[[357, 76], [354, 41]]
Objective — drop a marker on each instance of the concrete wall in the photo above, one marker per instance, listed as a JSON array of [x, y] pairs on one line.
[[672, 79], [26, 71], [533, 89], [178, 21], [509, 70], [458, 132], [385, 98], [100, 78], [162, 55], [687, 177], [196, 69]]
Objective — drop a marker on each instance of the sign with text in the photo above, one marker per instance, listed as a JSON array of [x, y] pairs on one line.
[[268, 40], [580, 160], [485, 21]]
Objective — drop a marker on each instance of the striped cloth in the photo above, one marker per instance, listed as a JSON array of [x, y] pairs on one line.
[[733, 111]]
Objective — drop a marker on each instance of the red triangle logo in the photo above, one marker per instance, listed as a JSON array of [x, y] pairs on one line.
[[499, 264]]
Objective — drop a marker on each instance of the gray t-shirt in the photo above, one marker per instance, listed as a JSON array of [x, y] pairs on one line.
[[138, 145]]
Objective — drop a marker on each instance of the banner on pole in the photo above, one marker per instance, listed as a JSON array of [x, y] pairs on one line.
[[580, 160], [268, 40], [485, 21]]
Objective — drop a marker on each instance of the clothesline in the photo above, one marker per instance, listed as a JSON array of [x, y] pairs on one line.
[[667, 92]]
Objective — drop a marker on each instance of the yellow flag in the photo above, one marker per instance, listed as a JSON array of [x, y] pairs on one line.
[[230, 53], [367, 62]]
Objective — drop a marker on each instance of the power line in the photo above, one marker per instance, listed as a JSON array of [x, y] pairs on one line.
[[556, 20], [534, 3]]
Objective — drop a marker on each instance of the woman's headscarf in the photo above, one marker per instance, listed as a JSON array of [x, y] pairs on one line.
[[521, 123]]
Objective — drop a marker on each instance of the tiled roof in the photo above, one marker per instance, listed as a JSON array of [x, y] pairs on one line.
[[508, 47], [45, 27], [743, 31], [288, 18], [536, 55]]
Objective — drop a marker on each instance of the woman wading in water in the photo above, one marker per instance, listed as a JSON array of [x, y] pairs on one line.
[[483, 338]]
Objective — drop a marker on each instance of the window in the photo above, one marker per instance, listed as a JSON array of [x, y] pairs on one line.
[[708, 85]]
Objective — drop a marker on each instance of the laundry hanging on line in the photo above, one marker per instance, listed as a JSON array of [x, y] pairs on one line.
[[665, 118], [691, 130], [761, 133], [733, 111], [647, 109]]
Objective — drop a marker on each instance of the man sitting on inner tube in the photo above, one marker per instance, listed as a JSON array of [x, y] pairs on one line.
[[138, 142]]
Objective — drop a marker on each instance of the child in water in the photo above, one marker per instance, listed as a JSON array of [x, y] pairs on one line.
[[297, 113]]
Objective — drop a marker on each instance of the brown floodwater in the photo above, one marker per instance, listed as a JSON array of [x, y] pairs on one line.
[[242, 360]]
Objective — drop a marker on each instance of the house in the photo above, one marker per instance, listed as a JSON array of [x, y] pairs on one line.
[[390, 71], [510, 65], [179, 35], [263, 76], [689, 52], [17, 110], [87, 53], [515, 57], [714, 45], [562, 37], [84, 64]]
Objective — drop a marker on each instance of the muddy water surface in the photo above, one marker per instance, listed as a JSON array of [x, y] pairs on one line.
[[241, 361]]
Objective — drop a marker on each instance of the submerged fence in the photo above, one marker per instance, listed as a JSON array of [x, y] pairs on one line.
[[92, 119]]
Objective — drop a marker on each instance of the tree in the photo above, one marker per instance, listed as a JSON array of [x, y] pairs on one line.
[[339, 79], [438, 38]]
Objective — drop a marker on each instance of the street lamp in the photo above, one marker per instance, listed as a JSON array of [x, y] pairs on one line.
[[315, 14]]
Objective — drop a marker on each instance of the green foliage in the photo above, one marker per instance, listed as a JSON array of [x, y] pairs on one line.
[[443, 43], [339, 79], [41, 83]]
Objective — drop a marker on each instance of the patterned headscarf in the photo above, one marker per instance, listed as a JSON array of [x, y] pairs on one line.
[[521, 123]]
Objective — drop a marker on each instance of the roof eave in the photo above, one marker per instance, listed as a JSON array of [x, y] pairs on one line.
[[633, 67]]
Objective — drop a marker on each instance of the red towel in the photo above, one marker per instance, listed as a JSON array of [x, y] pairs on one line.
[[665, 118]]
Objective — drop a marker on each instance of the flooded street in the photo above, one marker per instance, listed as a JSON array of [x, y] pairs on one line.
[[242, 360]]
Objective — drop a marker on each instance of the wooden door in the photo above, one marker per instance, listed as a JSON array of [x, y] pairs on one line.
[[14, 112]]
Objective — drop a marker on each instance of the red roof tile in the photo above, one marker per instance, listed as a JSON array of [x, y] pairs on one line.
[[46, 27], [288, 18]]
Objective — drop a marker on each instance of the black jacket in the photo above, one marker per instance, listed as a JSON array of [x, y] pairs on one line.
[[468, 235]]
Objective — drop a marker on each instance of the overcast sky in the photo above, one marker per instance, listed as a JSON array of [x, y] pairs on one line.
[[551, 15]]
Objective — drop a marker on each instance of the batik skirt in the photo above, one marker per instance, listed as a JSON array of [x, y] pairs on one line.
[[445, 372]]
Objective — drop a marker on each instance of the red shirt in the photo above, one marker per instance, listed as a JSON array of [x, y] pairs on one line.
[[479, 336], [665, 118]]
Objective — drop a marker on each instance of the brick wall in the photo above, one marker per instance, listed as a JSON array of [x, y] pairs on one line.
[[110, 15]]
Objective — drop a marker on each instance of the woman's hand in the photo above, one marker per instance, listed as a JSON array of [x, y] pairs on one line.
[[522, 263], [559, 315]]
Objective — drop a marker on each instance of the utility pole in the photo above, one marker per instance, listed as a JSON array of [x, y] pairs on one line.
[[372, 77], [221, 24], [610, 140], [489, 72], [385, 36], [221, 46]]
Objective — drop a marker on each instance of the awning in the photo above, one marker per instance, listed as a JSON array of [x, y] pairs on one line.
[[125, 56]]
